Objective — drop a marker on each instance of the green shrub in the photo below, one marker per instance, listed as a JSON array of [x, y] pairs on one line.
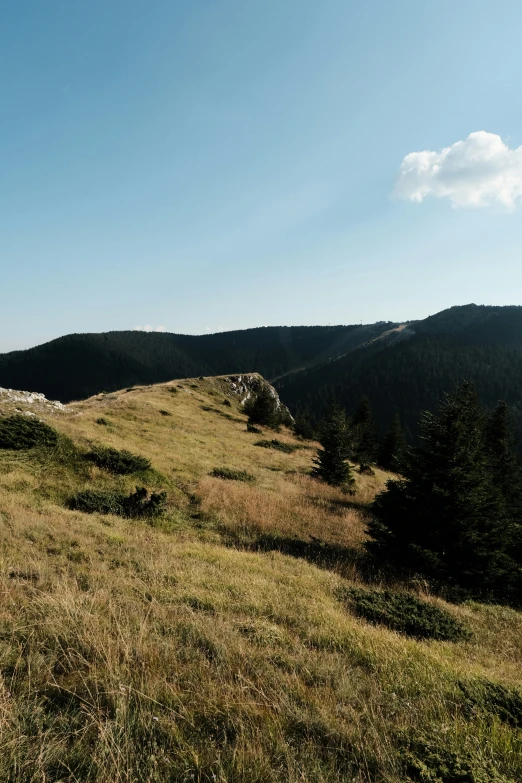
[[102, 421], [22, 432], [227, 403], [165, 413], [287, 448], [433, 760], [484, 696], [253, 428], [136, 505], [406, 614], [123, 463], [233, 475]]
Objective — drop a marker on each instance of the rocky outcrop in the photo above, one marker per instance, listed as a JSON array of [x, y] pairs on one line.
[[248, 385], [15, 401]]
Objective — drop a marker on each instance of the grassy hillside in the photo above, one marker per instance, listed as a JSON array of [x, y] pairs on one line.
[[223, 641], [78, 365]]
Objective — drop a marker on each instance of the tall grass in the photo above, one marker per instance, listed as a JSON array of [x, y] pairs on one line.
[[135, 653]]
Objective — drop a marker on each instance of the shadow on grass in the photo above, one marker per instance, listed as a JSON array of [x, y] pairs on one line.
[[338, 505], [344, 560]]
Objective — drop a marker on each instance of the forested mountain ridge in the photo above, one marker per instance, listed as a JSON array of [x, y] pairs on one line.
[[476, 343], [402, 367], [79, 365]]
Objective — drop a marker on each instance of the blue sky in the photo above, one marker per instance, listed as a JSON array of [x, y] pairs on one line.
[[213, 165]]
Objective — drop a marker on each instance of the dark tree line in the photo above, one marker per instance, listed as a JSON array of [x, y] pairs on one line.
[[411, 375], [454, 514], [352, 438]]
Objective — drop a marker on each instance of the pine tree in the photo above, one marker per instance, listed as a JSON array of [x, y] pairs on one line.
[[501, 456], [446, 519], [330, 464], [365, 434], [506, 470], [392, 449], [263, 409]]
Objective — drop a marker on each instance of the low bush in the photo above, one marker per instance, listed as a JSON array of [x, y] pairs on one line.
[[102, 421], [136, 505], [22, 432], [227, 403], [287, 448], [233, 475], [122, 463], [253, 428], [432, 759], [483, 696], [406, 614], [165, 413]]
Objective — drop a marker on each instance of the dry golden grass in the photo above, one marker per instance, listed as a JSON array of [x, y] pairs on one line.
[[132, 652], [296, 506]]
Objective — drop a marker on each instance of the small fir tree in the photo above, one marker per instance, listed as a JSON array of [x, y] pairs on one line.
[[365, 434], [446, 519], [392, 449], [263, 409], [330, 464]]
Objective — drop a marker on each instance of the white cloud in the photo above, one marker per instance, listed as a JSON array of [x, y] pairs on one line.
[[476, 172], [149, 328]]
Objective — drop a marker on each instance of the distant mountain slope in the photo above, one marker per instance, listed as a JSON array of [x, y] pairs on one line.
[[79, 365], [481, 344]]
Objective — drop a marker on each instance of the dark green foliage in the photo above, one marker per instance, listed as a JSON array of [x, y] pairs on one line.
[[364, 433], [505, 469], [483, 696], [330, 464], [253, 428], [137, 505], [303, 426], [23, 432], [122, 463], [446, 519], [102, 421], [79, 365], [233, 475], [409, 375], [406, 614], [287, 448], [263, 408], [432, 759], [227, 403], [392, 449]]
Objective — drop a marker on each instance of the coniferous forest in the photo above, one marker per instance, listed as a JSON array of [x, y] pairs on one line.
[[453, 515]]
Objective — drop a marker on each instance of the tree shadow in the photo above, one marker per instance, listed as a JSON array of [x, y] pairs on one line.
[[338, 505], [347, 561]]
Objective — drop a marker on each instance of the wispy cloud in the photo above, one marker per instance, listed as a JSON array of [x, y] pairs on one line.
[[149, 328], [477, 172]]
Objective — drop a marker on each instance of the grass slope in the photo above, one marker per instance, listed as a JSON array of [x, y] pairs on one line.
[[217, 643]]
